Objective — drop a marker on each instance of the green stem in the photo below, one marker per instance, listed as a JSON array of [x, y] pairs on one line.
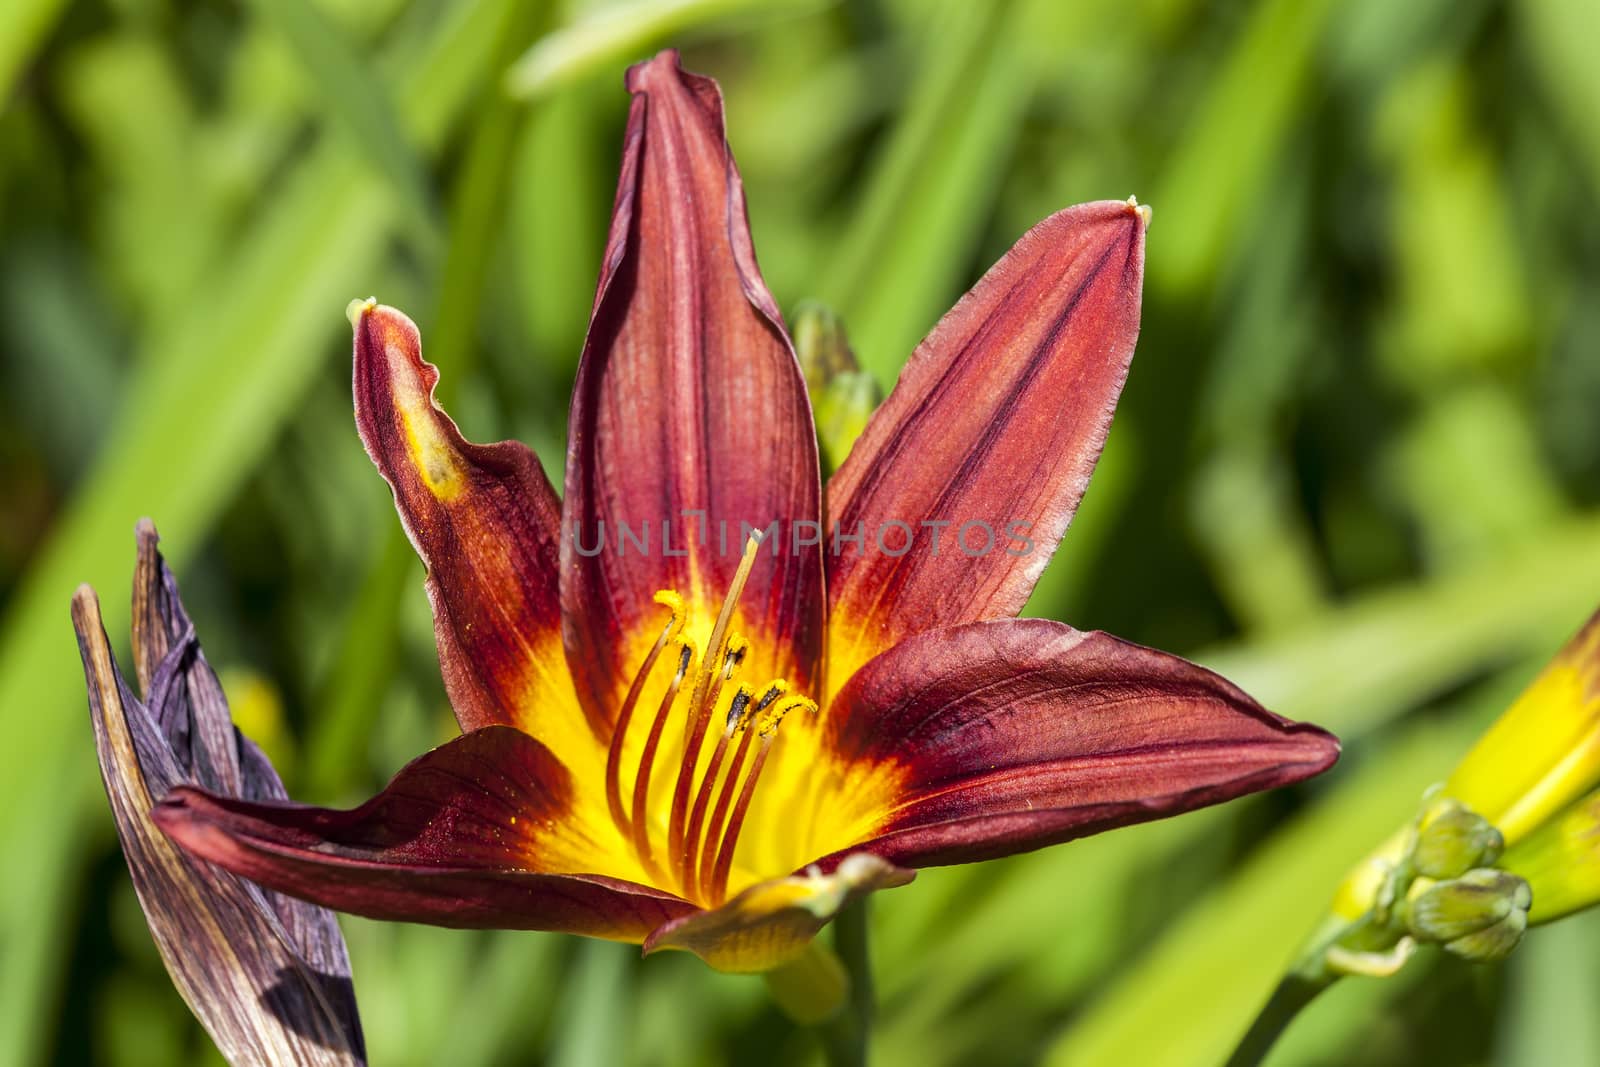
[[1294, 992], [845, 1037]]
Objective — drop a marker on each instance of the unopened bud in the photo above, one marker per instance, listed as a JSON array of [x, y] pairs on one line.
[[821, 345], [1453, 912], [1492, 943], [843, 396], [1455, 841]]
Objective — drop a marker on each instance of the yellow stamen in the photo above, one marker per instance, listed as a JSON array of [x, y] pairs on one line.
[[740, 712], [700, 708], [730, 836], [699, 840], [619, 732], [640, 823]]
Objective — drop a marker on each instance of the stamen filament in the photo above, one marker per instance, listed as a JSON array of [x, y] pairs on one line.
[[641, 782], [702, 800], [740, 713], [673, 603], [730, 839], [715, 831], [678, 838], [699, 853], [730, 836], [700, 708]]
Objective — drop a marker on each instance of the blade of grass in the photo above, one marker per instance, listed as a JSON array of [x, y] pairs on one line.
[[896, 269], [1239, 127], [1353, 668], [599, 990], [621, 33], [23, 25], [359, 103], [1557, 34], [1554, 986]]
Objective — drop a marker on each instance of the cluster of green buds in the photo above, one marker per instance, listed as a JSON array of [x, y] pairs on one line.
[[1510, 840], [1442, 889]]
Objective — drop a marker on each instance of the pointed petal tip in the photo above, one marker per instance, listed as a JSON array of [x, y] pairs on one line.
[[388, 330], [177, 816], [666, 62], [189, 818], [1309, 751], [357, 310], [84, 601], [1144, 211]]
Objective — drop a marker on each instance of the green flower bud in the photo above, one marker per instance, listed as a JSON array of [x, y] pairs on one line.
[[1454, 842], [821, 345], [843, 396], [1479, 900], [1492, 943]]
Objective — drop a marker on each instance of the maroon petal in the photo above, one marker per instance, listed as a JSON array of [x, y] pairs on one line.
[[689, 410], [998, 737], [967, 476], [481, 832], [487, 525]]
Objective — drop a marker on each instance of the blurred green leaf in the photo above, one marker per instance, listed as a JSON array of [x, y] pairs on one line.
[[1556, 34], [621, 32], [358, 102], [1352, 668], [599, 992], [1550, 1016], [1217, 172], [904, 250], [23, 24]]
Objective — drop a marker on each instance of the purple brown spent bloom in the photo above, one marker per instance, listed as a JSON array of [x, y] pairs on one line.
[[267, 975]]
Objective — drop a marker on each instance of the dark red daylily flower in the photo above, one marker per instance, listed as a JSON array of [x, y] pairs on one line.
[[620, 660]]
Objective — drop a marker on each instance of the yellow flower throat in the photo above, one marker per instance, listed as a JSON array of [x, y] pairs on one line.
[[701, 836]]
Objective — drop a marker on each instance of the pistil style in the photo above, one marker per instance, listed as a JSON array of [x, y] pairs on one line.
[[673, 603]]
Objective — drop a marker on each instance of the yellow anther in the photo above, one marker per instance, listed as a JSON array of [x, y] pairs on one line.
[[686, 654], [775, 718], [734, 655], [673, 603]]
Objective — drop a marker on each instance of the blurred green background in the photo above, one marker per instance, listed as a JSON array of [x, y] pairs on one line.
[[1357, 465]]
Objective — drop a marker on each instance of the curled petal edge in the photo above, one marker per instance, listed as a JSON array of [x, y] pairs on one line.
[[772, 922]]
